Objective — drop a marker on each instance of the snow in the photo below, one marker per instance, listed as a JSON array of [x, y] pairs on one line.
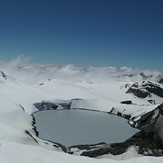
[[15, 153], [130, 153], [99, 88]]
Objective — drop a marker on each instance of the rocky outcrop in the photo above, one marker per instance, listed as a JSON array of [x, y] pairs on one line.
[[159, 79], [3, 75], [147, 121], [150, 121], [47, 105], [128, 102], [146, 89], [147, 144]]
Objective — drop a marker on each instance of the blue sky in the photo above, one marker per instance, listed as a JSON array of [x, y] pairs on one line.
[[83, 32]]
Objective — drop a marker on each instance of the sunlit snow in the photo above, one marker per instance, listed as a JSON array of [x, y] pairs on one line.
[[99, 88]]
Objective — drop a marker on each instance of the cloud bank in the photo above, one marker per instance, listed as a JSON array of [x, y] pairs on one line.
[[22, 70]]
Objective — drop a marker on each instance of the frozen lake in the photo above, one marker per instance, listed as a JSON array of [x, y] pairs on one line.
[[75, 127]]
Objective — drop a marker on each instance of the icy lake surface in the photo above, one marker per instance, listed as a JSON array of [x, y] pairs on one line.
[[74, 127]]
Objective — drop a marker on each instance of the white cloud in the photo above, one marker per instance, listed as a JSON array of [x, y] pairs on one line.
[[34, 73]]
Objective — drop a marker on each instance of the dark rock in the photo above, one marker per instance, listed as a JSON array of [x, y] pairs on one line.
[[149, 121], [45, 106], [153, 88], [145, 89], [121, 114], [159, 79], [126, 102], [34, 127], [3, 75], [152, 101], [22, 107], [27, 132], [138, 92], [148, 144], [127, 116]]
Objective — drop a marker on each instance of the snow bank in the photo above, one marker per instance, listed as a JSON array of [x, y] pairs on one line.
[[16, 153]]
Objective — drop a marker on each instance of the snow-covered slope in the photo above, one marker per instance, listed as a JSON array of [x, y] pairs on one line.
[[26, 88], [15, 153]]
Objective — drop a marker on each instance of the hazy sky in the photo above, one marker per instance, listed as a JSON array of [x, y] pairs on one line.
[[83, 32]]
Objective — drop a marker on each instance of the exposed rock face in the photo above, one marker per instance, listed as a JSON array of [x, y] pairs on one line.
[[45, 105], [152, 101], [141, 93], [153, 88], [147, 144], [150, 121], [3, 75], [159, 79], [146, 89]]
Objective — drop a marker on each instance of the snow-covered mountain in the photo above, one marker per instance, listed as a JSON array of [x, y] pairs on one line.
[[133, 94]]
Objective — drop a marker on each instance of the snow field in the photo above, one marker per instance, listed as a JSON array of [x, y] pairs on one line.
[[99, 88]]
